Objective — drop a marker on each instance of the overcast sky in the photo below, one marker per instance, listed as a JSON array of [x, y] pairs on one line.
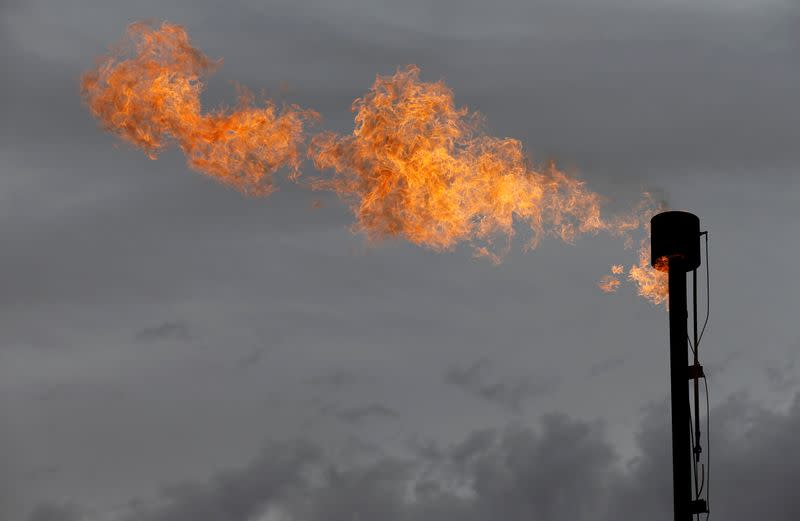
[[173, 351]]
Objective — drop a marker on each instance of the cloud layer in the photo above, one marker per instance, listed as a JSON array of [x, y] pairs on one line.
[[564, 469]]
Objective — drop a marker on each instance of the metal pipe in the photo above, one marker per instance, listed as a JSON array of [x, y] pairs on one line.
[[675, 248], [678, 364], [696, 377]]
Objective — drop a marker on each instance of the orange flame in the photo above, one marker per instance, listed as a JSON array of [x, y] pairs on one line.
[[147, 91], [418, 167], [609, 283], [651, 282]]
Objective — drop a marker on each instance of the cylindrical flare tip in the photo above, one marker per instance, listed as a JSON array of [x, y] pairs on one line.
[[675, 240]]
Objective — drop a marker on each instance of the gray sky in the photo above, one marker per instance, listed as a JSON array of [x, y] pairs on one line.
[[171, 350]]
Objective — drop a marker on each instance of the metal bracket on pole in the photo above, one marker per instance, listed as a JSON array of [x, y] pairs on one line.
[[696, 371], [698, 506]]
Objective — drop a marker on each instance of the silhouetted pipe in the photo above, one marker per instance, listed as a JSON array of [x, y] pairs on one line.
[[675, 247], [678, 366]]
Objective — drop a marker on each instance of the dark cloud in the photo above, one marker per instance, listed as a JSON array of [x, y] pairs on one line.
[[783, 379], [565, 469], [337, 379], [252, 358], [81, 391], [43, 472], [606, 365], [476, 379], [57, 512], [786, 376], [165, 331], [750, 463], [359, 414], [277, 475]]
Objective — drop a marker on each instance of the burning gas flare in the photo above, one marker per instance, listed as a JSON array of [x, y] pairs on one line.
[[416, 166], [610, 283], [147, 91], [419, 167], [651, 283]]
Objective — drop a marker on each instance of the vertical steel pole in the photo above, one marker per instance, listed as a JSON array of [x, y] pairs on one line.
[[678, 361]]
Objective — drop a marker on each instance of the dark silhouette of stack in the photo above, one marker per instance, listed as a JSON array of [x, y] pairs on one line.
[[675, 248]]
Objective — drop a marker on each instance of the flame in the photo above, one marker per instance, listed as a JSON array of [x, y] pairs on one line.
[[651, 282], [609, 283], [147, 91], [418, 167]]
